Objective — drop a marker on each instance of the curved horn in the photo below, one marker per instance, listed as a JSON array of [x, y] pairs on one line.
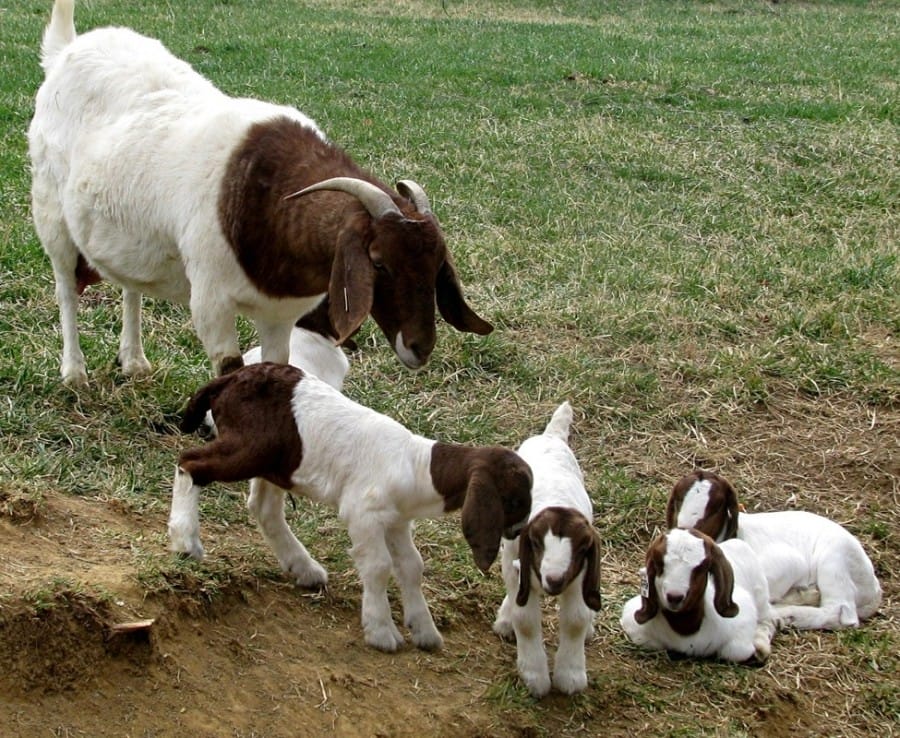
[[375, 200], [412, 191]]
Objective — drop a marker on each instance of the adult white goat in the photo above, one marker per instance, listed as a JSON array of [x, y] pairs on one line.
[[819, 576], [288, 431], [144, 173], [557, 553], [678, 611]]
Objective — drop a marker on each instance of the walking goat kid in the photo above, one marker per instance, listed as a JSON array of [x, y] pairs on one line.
[[558, 554], [144, 173], [677, 610], [819, 576], [291, 432]]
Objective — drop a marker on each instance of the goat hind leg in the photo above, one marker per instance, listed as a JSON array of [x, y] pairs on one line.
[[184, 517], [131, 348], [373, 562], [266, 505], [408, 568]]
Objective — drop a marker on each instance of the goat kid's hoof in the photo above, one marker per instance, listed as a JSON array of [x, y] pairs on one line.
[[570, 682], [186, 548], [134, 367], [75, 379], [384, 639], [308, 576], [504, 629], [428, 641], [538, 684]]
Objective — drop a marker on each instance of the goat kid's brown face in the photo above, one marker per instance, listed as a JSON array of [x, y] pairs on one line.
[[705, 501]]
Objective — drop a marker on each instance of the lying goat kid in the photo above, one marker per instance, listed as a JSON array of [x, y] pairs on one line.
[[558, 554], [288, 431], [146, 174], [819, 576], [678, 611]]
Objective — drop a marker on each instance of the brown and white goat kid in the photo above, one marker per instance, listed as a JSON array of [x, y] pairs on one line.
[[819, 576], [288, 431], [678, 611], [557, 553], [146, 174]]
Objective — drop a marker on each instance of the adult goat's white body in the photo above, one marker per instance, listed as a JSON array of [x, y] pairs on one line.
[[558, 553], [144, 173]]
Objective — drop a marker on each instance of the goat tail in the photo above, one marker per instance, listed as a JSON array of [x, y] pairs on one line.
[[201, 401], [60, 32], [560, 422]]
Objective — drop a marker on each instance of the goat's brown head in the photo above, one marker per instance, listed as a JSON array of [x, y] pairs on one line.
[[679, 564], [492, 485], [392, 262], [705, 501], [557, 545]]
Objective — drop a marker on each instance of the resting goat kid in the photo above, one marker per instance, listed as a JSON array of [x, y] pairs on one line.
[[800, 552], [558, 554], [288, 431], [678, 611], [144, 173]]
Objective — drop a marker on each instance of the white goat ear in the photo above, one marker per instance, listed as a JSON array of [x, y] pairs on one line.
[[352, 285]]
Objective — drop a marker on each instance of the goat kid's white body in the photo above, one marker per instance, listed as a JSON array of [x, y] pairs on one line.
[[558, 482], [376, 474], [129, 146], [738, 639], [801, 552]]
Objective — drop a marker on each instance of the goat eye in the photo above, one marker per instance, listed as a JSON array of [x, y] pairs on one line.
[[380, 267]]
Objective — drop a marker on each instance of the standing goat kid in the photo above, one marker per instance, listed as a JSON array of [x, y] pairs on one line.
[[819, 576], [144, 173], [558, 554], [678, 611], [288, 431]]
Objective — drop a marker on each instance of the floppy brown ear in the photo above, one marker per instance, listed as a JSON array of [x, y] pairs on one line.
[[649, 598], [731, 507], [526, 562], [352, 285], [723, 579], [451, 304], [482, 518], [590, 584]]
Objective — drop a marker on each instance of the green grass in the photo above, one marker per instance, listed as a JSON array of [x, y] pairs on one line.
[[683, 216]]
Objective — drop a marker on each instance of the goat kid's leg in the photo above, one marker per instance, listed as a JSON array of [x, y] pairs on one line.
[[184, 517], [266, 505], [408, 569], [837, 608], [531, 659], [576, 626], [373, 562], [131, 348], [509, 567]]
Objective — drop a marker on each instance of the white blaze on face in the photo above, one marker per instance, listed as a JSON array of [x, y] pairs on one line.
[[409, 359], [693, 508], [556, 559], [684, 553]]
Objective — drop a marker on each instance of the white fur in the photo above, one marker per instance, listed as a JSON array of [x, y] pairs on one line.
[[801, 552], [746, 635], [558, 482], [128, 147]]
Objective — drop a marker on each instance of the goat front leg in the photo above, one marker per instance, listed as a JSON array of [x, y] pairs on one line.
[[214, 321], [576, 626], [408, 569], [266, 505], [274, 341], [509, 566], [531, 659], [373, 562], [184, 517], [72, 366], [131, 348]]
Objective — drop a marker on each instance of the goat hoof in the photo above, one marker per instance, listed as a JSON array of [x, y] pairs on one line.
[[538, 685], [505, 630], [428, 641], [75, 379], [570, 682], [385, 639]]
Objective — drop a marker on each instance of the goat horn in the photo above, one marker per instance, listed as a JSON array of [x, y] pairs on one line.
[[412, 191], [375, 200]]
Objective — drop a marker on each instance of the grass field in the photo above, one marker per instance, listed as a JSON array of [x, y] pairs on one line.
[[682, 216]]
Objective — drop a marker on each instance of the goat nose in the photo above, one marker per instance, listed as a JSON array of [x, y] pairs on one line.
[[553, 585], [674, 599]]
